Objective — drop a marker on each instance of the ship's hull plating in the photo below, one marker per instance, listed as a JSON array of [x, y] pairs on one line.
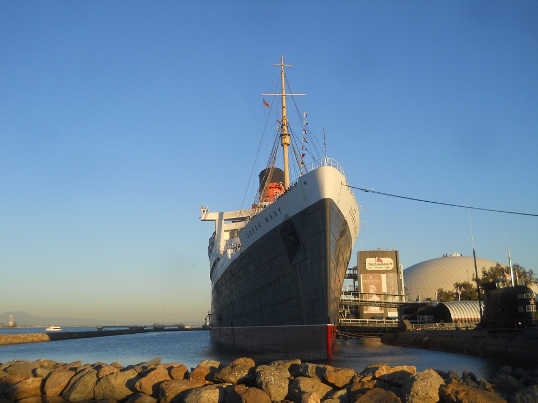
[[282, 291]]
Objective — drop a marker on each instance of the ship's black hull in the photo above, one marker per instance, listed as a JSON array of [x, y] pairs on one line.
[[290, 278]]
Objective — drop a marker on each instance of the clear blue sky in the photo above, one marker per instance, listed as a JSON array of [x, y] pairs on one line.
[[119, 118]]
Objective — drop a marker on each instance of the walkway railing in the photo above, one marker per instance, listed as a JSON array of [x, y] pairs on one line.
[[367, 298], [369, 322]]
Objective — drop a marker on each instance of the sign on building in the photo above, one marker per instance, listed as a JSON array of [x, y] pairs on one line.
[[379, 279]]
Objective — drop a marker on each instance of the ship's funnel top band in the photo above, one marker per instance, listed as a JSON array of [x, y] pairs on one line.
[[265, 176]]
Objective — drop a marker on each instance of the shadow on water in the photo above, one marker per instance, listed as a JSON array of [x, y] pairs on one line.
[[358, 353]]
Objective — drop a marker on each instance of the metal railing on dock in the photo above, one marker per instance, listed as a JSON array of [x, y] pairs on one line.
[[348, 327], [371, 299]]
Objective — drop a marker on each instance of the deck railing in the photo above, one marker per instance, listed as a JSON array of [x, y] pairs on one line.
[[371, 297]]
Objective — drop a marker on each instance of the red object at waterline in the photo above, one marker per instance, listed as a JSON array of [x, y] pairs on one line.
[[331, 337]]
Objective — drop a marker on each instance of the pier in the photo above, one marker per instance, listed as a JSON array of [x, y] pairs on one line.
[[154, 327], [101, 331], [351, 326]]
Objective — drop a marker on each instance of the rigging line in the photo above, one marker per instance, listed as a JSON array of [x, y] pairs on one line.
[[314, 140], [264, 131], [441, 203]]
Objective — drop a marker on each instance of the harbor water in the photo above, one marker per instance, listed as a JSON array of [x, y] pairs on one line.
[[192, 347]]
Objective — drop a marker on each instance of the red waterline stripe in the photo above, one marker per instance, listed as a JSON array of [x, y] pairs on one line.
[[331, 334]]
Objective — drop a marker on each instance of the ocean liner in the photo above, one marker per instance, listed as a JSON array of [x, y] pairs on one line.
[[277, 267]]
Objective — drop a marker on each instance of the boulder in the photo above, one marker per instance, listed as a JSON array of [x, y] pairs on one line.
[[209, 363], [522, 376], [288, 364], [41, 399], [504, 370], [42, 372], [293, 366], [378, 395], [116, 386], [75, 365], [80, 387], [310, 397], [360, 387], [486, 385], [141, 398], [372, 368], [525, 395], [452, 375], [106, 370], [57, 381], [145, 365], [303, 384], [455, 392], [338, 377], [470, 375], [170, 391], [468, 380], [29, 387], [205, 394], [177, 371], [337, 396], [273, 380], [422, 387], [239, 371], [150, 382], [396, 376], [316, 371], [7, 380], [506, 384], [22, 368], [205, 371]]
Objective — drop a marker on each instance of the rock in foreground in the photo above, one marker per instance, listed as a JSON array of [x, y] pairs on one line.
[[243, 382]]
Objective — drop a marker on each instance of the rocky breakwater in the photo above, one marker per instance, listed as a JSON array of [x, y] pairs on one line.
[[243, 381]]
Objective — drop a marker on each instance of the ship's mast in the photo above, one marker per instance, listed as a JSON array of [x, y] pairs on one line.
[[284, 134]]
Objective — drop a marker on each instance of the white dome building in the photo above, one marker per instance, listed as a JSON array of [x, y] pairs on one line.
[[422, 280]]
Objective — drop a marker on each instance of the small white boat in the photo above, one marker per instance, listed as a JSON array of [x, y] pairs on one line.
[[53, 329]]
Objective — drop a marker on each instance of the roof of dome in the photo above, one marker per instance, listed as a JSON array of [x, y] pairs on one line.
[[425, 278]]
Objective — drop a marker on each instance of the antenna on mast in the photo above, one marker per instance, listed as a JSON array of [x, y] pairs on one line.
[[324, 143], [475, 268], [511, 268]]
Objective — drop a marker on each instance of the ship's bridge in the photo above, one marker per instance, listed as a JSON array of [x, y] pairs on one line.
[[227, 225]]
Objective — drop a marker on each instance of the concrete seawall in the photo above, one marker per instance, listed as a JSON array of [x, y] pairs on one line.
[[522, 345], [22, 338]]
